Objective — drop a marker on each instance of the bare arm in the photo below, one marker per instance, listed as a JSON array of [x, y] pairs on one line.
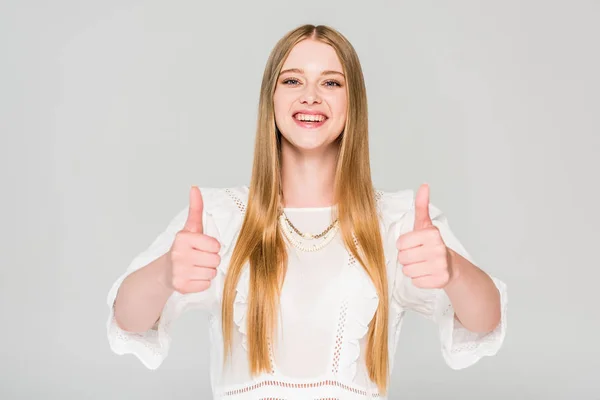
[[475, 298], [142, 296]]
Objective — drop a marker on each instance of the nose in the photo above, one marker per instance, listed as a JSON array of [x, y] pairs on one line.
[[310, 96]]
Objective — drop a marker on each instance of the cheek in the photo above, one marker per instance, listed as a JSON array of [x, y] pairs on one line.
[[281, 107], [340, 105], [340, 109]]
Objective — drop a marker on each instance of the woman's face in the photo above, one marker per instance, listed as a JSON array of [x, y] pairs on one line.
[[310, 97]]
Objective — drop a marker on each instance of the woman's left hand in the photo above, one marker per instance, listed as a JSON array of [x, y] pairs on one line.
[[422, 251]]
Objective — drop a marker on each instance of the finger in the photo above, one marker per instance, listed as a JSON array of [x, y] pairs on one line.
[[205, 259], [412, 255], [417, 270], [429, 236], [200, 241], [193, 286], [194, 219], [428, 282], [422, 217], [202, 273]]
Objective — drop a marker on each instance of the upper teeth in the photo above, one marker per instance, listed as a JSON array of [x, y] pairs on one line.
[[310, 117]]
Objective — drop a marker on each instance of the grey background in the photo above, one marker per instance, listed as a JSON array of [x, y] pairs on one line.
[[110, 110]]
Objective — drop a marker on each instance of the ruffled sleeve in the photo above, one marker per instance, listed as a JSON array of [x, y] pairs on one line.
[[151, 347], [460, 347]]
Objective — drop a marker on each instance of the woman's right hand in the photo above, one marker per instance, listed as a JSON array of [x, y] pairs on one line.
[[193, 258]]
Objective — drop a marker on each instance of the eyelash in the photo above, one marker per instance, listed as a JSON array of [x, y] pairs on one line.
[[287, 80]]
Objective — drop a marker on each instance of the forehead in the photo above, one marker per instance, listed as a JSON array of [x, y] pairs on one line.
[[313, 56]]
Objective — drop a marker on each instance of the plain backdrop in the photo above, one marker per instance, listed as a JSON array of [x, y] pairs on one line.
[[110, 110]]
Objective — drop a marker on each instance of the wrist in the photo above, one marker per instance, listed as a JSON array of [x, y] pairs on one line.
[[453, 267], [163, 272]]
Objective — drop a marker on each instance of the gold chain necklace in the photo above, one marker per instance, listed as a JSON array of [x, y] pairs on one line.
[[289, 229], [309, 235]]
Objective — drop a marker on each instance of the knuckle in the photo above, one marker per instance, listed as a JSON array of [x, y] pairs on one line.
[[400, 241], [175, 254], [441, 249], [208, 273], [417, 282], [178, 282], [183, 290], [180, 236], [400, 258], [210, 260], [179, 250], [205, 285]]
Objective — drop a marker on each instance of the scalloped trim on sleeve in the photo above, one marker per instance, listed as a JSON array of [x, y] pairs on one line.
[[152, 346]]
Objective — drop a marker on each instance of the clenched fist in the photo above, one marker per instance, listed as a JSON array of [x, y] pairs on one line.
[[422, 251], [193, 258]]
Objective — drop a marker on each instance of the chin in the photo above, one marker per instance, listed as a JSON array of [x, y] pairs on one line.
[[310, 143]]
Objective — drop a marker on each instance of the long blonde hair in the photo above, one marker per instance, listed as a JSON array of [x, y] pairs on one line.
[[260, 240]]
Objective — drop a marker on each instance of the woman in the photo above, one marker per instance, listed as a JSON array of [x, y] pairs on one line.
[[308, 271]]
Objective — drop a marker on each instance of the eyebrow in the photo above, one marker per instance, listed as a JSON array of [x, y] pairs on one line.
[[300, 71]]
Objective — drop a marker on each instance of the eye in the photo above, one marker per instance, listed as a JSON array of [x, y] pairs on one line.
[[290, 81], [333, 83]]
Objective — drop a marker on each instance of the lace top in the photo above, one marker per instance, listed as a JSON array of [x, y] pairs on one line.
[[326, 304]]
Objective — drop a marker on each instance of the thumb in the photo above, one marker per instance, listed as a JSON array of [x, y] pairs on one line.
[[194, 219], [422, 217]]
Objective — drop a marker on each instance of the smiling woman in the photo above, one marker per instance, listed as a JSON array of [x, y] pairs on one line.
[[310, 94], [309, 270]]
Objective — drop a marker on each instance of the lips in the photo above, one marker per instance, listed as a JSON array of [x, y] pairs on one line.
[[309, 119], [309, 116]]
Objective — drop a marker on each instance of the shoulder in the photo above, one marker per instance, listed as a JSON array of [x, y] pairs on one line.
[[217, 201], [394, 205], [224, 210], [399, 205], [224, 200]]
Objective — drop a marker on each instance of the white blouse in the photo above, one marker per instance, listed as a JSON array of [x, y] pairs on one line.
[[327, 302]]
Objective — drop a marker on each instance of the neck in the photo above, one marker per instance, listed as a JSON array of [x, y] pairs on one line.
[[308, 177]]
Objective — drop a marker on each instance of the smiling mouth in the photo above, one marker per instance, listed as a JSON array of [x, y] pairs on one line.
[[309, 121], [309, 117]]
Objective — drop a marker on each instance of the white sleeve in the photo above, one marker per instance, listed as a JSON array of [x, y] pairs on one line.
[[151, 347], [460, 347]]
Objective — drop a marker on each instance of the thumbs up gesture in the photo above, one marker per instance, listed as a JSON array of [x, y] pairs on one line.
[[193, 258], [422, 251]]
